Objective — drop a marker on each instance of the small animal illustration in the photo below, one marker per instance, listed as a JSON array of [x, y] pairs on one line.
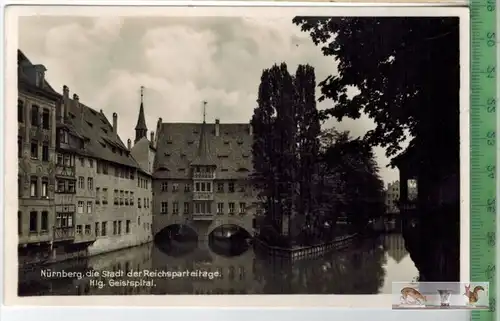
[[411, 293], [473, 295]]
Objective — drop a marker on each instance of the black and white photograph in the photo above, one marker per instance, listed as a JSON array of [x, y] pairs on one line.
[[238, 154]]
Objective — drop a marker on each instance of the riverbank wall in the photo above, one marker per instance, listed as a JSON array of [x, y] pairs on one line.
[[60, 254], [304, 252]]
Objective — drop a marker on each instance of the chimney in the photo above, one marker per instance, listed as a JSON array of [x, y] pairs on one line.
[[152, 136], [129, 144], [115, 123], [250, 129], [217, 127], [63, 111]]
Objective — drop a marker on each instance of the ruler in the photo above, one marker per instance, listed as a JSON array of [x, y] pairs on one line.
[[483, 130]]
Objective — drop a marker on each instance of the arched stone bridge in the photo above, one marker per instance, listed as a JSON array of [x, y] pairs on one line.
[[203, 227]]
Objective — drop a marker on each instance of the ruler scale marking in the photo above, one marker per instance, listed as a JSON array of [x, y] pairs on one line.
[[483, 125]]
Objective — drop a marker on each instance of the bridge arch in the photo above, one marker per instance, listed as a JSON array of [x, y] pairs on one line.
[[244, 223]]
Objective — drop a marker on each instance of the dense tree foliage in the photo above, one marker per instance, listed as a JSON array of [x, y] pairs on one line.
[[406, 72], [354, 190], [285, 131]]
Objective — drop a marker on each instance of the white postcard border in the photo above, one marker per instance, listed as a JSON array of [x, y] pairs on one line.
[[345, 301]]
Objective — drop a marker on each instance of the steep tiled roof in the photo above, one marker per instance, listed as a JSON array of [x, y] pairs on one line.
[[178, 145], [23, 61], [93, 127], [102, 142]]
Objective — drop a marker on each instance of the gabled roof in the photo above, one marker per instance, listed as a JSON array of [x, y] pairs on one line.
[[178, 146]]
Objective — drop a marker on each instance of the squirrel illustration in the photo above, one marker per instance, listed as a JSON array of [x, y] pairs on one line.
[[411, 292], [473, 295]]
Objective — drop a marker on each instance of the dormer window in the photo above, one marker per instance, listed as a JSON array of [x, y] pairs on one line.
[[39, 79], [39, 75]]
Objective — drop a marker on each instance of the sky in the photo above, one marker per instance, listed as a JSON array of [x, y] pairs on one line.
[[181, 62]]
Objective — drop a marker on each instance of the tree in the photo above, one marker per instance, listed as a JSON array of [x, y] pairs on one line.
[[285, 143], [406, 71], [357, 191]]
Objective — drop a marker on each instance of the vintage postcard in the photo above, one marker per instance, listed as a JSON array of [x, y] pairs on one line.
[[297, 156]]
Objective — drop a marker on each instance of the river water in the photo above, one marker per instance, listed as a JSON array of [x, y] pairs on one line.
[[367, 267]]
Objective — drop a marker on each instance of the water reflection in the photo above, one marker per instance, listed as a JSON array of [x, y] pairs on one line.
[[367, 267]]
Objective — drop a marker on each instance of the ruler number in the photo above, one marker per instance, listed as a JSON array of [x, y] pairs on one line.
[[491, 39], [491, 71], [490, 5], [491, 171], [491, 135], [490, 271], [491, 205], [491, 237], [491, 105]]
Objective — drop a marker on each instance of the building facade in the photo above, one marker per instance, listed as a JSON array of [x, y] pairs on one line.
[[80, 190], [202, 177], [36, 110]]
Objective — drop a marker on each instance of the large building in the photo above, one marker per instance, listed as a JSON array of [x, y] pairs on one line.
[[36, 140], [201, 177], [81, 192]]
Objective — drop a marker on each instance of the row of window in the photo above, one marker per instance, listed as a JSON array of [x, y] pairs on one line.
[[101, 228], [36, 120], [204, 187], [38, 222], [119, 171], [38, 187], [120, 198], [34, 149], [90, 183], [203, 208]]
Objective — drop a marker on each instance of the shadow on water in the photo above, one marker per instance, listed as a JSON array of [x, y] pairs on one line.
[[176, 240], [434, 246], [367, 267]]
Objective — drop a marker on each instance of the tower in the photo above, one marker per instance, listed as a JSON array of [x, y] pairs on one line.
[[141, 130]]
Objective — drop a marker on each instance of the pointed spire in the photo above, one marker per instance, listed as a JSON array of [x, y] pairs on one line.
[[203, 156], [141, 129]]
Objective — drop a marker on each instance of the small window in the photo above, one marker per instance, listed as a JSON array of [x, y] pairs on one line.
[[20, 111], [33, 222], [34, 115], [44, 226], [45, 153], [34, 149], [46, 119], [19, 146]]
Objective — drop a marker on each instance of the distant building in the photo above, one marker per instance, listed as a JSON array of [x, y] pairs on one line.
[[201, 176], [393, 195], [80, 188]]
